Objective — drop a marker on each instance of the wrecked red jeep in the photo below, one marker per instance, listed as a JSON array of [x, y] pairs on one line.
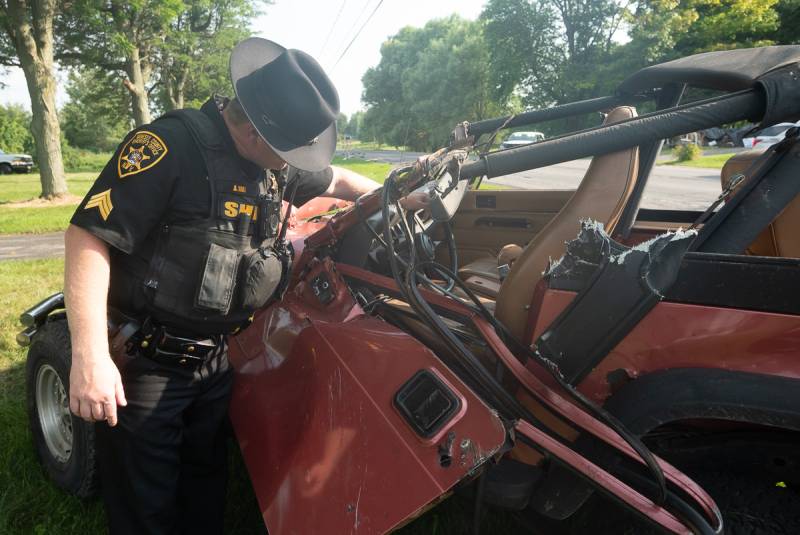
[[404, 364]]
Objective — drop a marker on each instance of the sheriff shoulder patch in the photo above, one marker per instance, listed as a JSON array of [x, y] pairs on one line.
[[141, 152], [101, 201]]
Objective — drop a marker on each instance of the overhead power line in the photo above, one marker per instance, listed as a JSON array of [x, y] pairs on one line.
[[358, 33], [330, 32], [356, 21]]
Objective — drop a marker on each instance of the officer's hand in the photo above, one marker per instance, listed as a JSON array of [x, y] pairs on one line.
[[95, 389]]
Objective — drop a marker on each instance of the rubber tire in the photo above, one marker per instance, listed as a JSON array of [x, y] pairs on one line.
[[78, 475], [5, 169], [752, 505], [749, 499]]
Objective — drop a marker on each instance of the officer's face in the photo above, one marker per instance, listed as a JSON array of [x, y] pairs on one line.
[[251, 146]]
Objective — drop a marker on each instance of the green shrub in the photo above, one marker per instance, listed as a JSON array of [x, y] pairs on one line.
[[79, 160], [686, 152]]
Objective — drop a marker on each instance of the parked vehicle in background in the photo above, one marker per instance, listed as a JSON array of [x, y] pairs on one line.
[[768, 136], [518, 139], [20, 163]]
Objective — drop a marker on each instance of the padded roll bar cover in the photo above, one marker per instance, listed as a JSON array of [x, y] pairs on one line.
[[601, 195]]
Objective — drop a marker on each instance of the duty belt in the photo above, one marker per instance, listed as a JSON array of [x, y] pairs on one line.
[[157, 343]]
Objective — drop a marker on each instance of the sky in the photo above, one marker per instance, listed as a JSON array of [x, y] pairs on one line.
[[309, 26]]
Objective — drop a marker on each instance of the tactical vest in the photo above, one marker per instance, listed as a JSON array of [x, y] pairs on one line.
[[208, 276]]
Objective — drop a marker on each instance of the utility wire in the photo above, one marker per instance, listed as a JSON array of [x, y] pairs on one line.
[[356, 21], [358, 33], [330, 32]]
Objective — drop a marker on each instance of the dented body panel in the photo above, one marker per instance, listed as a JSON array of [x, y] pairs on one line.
[[313, 412]]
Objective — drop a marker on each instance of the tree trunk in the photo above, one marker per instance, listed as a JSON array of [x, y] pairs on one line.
[[176, 88], [137, 78], [33, 40]]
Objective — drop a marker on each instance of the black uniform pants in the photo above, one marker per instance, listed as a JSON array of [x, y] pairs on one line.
[[163, 467]]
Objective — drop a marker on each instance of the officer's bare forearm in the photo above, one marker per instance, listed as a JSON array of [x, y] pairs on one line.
[[86, 278], [348, 185]]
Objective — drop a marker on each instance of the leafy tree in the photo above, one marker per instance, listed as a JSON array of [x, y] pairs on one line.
[[353, 128], [686, 27], [121, 37], [661, 30], [549, 51], [27, 41], [789, 16], [167, 53], [341, 124], [96, 117], [520, 37], [15, 129], [194, 56], [428, 80]]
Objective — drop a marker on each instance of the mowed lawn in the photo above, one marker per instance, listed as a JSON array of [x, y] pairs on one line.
[[35, 217], [710, 161]]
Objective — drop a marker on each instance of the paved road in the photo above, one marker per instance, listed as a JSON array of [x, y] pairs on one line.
[[26, 246], [669, 186]]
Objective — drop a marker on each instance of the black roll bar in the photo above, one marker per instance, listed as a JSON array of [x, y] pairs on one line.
[[748, 104], [556, 112]]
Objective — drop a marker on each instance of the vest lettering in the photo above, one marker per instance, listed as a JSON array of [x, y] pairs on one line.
[[231, 209]]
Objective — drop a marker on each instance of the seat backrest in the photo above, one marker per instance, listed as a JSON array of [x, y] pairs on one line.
[[780, 238], [601, 195]]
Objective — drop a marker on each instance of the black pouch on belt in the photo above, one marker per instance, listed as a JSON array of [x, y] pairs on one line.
[[261, 274], [269, 217]]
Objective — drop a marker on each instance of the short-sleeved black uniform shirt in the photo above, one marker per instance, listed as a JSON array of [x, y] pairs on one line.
[[158, 175]]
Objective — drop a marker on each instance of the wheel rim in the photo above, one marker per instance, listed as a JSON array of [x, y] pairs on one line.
[[55, 418]]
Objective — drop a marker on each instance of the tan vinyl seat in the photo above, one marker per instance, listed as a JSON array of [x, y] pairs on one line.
[[601, 195], [780, 238], [621, 168]]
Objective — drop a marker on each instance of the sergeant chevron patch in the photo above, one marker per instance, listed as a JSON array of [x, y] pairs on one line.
[[101, 201], [143, 151]]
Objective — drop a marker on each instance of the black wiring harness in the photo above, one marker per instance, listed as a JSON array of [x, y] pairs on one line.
[[409, 273]]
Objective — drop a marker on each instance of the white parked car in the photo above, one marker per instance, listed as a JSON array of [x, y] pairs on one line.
[[518, 139], [768, 136]]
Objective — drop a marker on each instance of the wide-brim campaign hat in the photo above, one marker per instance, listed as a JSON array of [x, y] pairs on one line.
[[289, 99]]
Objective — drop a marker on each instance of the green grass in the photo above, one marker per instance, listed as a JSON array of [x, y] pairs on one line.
[[35, 220], [29, 503], [38, 218], [355, 144], [25, 187], [377, 171], [712, 161]]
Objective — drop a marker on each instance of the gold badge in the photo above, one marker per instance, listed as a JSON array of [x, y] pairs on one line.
[[101, 201], [143, 151]]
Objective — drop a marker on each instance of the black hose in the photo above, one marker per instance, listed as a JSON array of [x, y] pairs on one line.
[[509, 407], [633, 441]]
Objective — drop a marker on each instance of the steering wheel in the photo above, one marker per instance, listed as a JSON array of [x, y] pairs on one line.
[[414, 233]]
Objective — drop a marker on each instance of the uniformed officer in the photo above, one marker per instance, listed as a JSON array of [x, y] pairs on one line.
[[180, 234]]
